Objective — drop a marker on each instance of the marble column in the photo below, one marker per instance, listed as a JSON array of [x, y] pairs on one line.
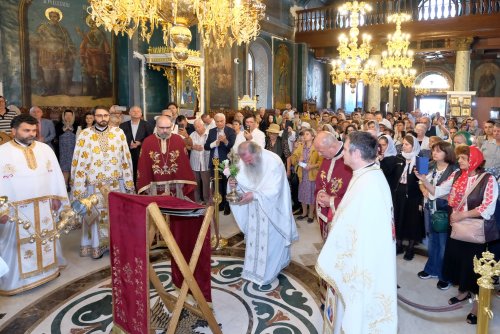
[[374, 88], [462, 64]]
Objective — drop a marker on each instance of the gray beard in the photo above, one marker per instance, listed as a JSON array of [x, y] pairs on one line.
[[255, 171]]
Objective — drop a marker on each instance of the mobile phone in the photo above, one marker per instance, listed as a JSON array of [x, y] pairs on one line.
[[181, 126], [247, 128]]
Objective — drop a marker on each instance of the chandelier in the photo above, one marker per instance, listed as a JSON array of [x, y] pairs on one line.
[[353, 64], [220, 22], [397, 60], [228, 21]]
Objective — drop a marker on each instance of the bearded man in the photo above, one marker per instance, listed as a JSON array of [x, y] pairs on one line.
[[31, 178], [164, 158], [264, 213], [101, 158]]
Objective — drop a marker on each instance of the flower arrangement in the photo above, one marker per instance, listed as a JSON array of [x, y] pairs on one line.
[[228, 169]]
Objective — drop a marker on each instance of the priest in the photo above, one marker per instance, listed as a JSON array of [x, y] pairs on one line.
[[164, 159], [358, 256], [101, 159], [264, 213], [33, 182], [332, 180]]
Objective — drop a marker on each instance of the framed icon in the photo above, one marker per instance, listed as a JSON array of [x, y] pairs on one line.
[[466, 111], [455, 111], [466, 102], [454, 101]]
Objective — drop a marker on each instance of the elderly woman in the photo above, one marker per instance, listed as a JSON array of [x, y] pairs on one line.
[[307, 162], [462, 138], [436, 211], [277, 144], [407, 198], [480, 203], [423, 140]]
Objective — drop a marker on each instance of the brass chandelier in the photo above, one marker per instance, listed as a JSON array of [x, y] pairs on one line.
[[397, 60], [220, 22], [353, 64]]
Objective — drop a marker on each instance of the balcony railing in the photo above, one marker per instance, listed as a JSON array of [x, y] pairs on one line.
[[329, 18]]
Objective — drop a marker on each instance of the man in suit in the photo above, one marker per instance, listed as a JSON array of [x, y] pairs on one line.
[[135, 131], [46, 131], [219, 142]]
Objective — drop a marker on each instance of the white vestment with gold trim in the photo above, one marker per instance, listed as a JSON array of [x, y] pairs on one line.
[[101, 158], [358, 259], [32, 179], [267, 221]]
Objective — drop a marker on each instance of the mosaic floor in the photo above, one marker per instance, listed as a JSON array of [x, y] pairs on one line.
[[239, 306], [37, 309]]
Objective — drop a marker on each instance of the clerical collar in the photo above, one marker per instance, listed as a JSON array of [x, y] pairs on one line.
[[98, 128], [339, 152], [369, 165], [21, 144]]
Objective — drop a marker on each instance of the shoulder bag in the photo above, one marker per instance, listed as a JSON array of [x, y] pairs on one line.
[[439, 218], [474, 230]]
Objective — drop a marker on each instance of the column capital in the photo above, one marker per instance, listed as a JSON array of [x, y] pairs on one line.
[[463, 44]]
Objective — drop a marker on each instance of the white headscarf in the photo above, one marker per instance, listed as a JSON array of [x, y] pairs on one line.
[[411, 157], [391, 148]]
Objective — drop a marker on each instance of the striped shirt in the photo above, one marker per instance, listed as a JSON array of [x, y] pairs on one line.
[[5, 120], [199, 159]]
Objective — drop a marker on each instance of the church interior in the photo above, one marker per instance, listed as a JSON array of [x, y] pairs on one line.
[[452, 52]]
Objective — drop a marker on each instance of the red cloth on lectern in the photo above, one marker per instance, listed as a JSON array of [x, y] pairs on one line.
[[153, 166], [129, 260]]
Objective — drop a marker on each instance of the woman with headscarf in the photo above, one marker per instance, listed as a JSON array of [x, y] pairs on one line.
[[387, 158], [407, 198], [462, 137], [480, 203]]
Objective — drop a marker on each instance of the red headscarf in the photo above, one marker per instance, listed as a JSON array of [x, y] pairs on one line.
[[460, 185]]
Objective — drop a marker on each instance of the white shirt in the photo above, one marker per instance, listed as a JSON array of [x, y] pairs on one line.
[[199, 159]]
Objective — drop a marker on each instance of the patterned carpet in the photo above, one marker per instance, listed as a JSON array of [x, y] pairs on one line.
[[286, 306]]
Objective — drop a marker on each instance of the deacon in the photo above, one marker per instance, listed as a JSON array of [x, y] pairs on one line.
[[31, 178], [264, 213], [101, 159], [164, 158], [358, 256]]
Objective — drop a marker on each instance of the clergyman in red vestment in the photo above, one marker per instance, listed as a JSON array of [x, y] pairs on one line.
[[164, 158], [332, 180]]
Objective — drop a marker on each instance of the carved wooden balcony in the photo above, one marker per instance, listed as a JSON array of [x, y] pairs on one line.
[[431, 20]]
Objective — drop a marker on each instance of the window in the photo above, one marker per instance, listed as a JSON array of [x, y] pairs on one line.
[[437, 9], [250, 75]]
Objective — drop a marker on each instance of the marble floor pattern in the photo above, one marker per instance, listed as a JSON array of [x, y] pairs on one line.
[[17, 312]]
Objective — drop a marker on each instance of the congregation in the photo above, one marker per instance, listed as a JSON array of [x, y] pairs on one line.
[[321, 156]]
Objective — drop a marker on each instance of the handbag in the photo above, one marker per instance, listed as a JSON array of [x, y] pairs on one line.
[[474, 230], [439, 220]]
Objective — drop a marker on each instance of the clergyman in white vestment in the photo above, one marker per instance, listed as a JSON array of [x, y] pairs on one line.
[[31, 178], [264, 213], [359, 256]]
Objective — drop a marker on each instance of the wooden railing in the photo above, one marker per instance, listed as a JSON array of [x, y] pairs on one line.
[[329, 18]]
